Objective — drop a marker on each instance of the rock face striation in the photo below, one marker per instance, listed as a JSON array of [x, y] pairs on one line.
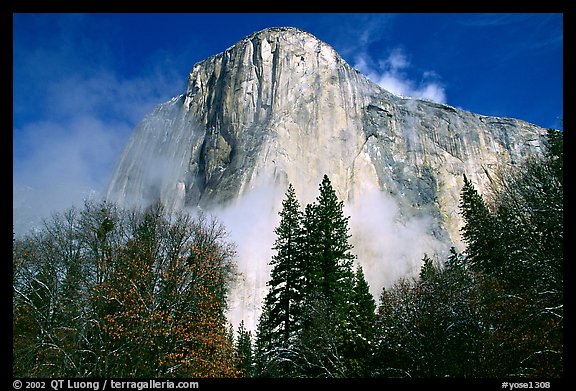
[[280, 107]]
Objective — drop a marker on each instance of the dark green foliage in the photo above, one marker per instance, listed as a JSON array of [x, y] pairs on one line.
[[454, 260], [243, 349], [327, 246], [310, 323], [319, 344], [480, 231], [528, 204], [555, 154], [428, 270], [326, 326], [358, 328], [517, 235], [286, 283], [282, 312], [431, 328]]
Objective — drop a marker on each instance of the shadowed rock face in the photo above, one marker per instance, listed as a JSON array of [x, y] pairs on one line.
[[282, 107]]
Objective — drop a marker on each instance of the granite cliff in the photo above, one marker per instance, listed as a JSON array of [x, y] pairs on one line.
[[280, 107]]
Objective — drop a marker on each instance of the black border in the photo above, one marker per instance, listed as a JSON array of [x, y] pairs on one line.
[[566, 7]]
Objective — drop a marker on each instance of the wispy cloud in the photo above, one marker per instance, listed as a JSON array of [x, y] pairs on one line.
[[391, 73], [73, 113], [350, 33], [358, 37]]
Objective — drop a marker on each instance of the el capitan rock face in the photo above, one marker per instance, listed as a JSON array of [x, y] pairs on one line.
[[280, 107]]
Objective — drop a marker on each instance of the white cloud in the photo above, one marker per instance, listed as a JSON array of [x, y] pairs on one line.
[[63, 164], [250, 222], [396, 61], [391, 73], [389, 244]]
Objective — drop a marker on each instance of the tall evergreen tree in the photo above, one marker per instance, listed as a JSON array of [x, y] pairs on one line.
[[317, 316], [555, 154], [359, 332], [328, 250], [479, 231], [528, 203], [519, 245], [282, 312], [243, 348], [329, 282]]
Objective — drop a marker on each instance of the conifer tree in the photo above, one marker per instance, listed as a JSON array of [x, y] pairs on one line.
[[360, 327], [282, 312], [243, 348], [328, 250], [329, 282], [479, 231], [317, 317], [428, 270], [528, 204], [555, 154]]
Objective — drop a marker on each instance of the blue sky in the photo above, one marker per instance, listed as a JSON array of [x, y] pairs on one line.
[[82, 82]]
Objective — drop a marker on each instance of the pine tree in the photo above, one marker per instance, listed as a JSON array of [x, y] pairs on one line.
[[360, 327], [528, 202], [243, 348], [317, 311], [282, 312], [479, 231], [328, 250], [517, 246], [329, 282], [428, 271]]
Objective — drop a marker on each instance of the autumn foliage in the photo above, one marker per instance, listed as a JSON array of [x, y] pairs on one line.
[[110, 293]]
